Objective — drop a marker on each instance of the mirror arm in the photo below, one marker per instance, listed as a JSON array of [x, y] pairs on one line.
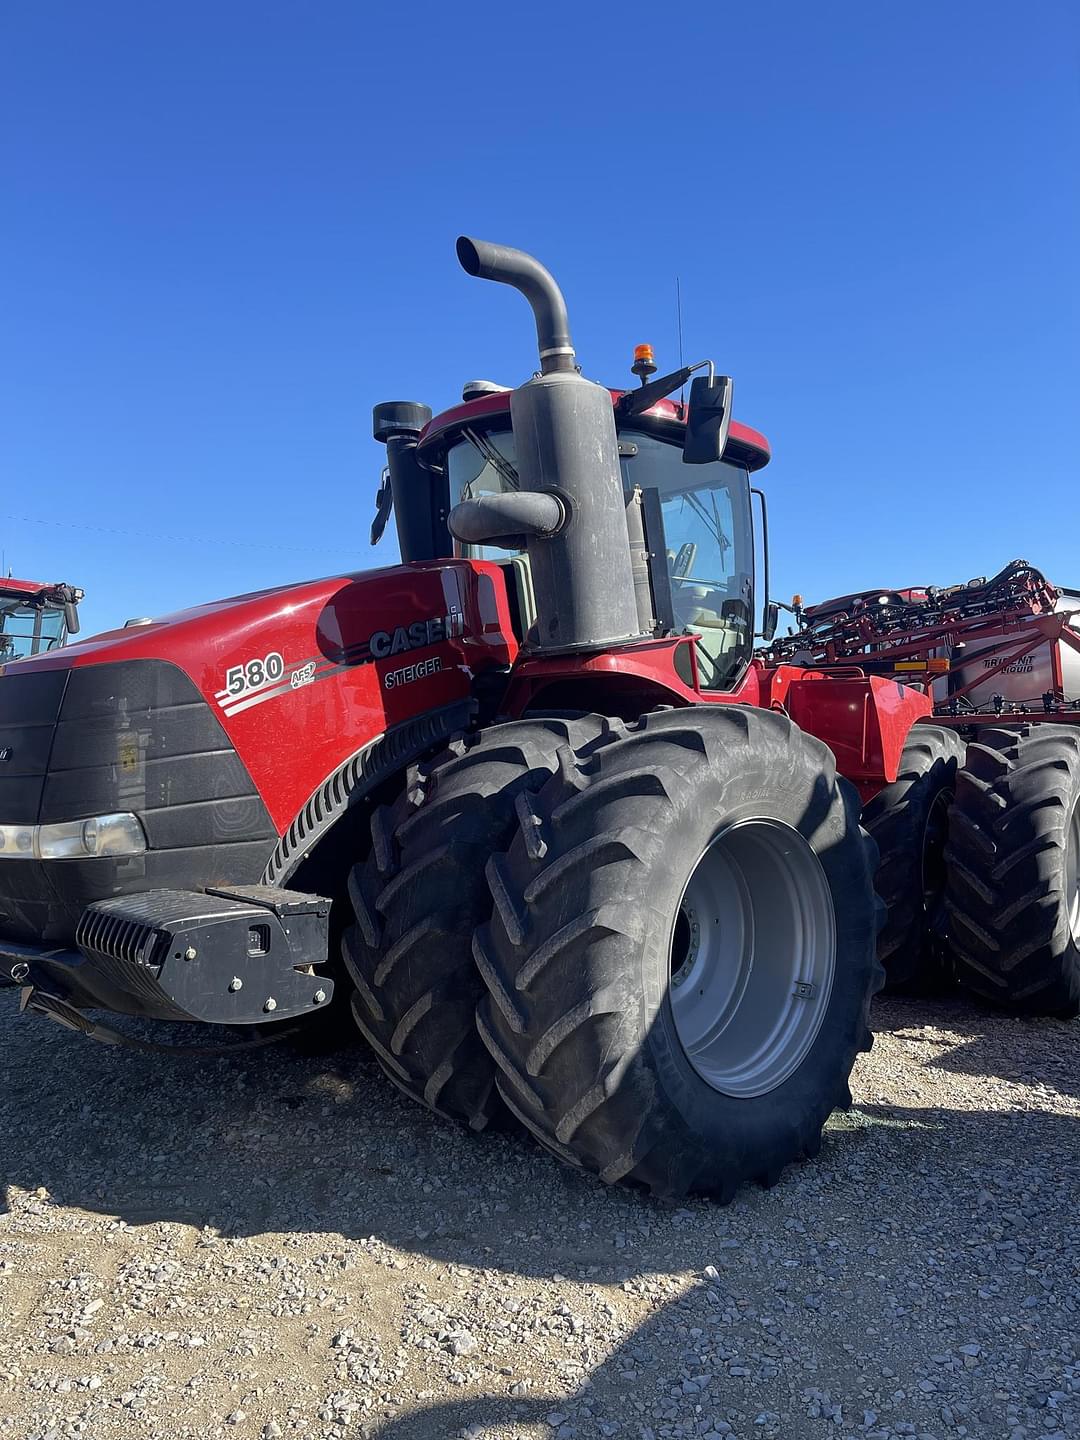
[[384, 503], [634, 402]]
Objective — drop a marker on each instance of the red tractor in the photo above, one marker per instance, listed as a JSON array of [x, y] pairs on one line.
[[525, 802], [1000, 658], [35, 618]]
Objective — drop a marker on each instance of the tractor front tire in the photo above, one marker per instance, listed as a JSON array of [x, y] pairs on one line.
[[1013, 860], [681, 953], [909, 822], [419, 894]]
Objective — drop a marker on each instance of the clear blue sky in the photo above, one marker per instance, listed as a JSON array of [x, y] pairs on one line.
[[228, 230]]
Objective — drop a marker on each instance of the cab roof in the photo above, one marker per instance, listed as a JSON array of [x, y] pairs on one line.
[[9, 586], [744, 444]]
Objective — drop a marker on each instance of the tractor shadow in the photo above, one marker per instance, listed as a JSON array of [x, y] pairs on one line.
[[956, 1035], [803, 1280], [273, 1141], [892, 1182]]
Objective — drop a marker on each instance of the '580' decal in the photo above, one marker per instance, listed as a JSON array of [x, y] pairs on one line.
[[253, 673]]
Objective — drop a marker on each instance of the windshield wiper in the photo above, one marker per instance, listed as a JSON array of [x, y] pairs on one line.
[[713, 526], [494, 457]]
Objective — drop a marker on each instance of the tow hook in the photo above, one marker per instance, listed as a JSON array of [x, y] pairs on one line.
[[42, 1003], [53, 1008]]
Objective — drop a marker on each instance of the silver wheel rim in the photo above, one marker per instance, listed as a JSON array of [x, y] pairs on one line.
[[1072, 874], [753, 955]]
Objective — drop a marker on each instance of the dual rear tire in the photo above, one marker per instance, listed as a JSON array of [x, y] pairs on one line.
[[909, 823], [674, 929], [1013, 858], [980, 866]]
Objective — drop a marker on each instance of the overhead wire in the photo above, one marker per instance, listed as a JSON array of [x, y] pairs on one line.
[[179, 539]]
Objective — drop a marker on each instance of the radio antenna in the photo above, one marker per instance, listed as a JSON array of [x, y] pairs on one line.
[[678, 327]]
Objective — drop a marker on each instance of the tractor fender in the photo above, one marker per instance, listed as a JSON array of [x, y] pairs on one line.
[[378, 761], [864, 719]]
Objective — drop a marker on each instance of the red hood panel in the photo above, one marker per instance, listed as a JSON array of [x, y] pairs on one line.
[[303, 676]]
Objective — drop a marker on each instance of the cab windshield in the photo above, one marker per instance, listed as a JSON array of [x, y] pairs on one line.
[[707, 531], [29, 629]]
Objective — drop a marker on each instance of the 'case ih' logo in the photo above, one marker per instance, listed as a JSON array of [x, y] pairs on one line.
[[416, 636]]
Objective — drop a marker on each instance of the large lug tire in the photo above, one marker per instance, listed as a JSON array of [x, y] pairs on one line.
[[419, 894], [639, 1030], [1013, 889], [909, 822]]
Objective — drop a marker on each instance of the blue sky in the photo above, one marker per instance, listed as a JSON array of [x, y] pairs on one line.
[[228, 230]]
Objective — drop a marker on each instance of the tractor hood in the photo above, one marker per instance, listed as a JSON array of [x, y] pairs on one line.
[[217, 727]]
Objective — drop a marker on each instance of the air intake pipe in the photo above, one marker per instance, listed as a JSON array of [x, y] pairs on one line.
[[567, 448]]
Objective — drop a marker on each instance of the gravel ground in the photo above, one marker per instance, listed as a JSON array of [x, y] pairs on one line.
[[280, 1245]]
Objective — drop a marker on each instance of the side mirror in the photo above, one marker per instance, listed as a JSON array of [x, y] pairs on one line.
[[71, 617], [384, 503], [770, 620], [708, 417]]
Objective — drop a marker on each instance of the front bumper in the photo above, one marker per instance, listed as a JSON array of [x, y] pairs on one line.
[[46, 967], [221, 957]]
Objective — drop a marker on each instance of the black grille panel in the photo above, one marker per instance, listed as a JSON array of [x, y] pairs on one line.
[[116, 937], [132, 735], [29, 706]]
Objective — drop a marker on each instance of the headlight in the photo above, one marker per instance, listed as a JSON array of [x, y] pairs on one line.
[[73, 839]]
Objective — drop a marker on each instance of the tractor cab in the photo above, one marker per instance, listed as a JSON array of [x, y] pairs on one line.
[[35, 618], [702, 512]]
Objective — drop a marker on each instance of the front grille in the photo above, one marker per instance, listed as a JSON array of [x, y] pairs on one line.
[[29, 708], [118, 938], [132, 735]]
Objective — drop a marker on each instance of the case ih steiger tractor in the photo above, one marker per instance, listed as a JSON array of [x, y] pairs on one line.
[[526, 802], [1001, 660], [35, 618]]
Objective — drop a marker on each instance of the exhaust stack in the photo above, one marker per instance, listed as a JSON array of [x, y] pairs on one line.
[[567, 449], [524, 273]]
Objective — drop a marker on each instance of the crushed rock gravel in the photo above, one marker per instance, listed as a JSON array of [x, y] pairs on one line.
[[274, 1244]]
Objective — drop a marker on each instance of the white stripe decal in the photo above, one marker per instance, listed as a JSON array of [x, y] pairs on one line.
[[245, 702], [226, 697]]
